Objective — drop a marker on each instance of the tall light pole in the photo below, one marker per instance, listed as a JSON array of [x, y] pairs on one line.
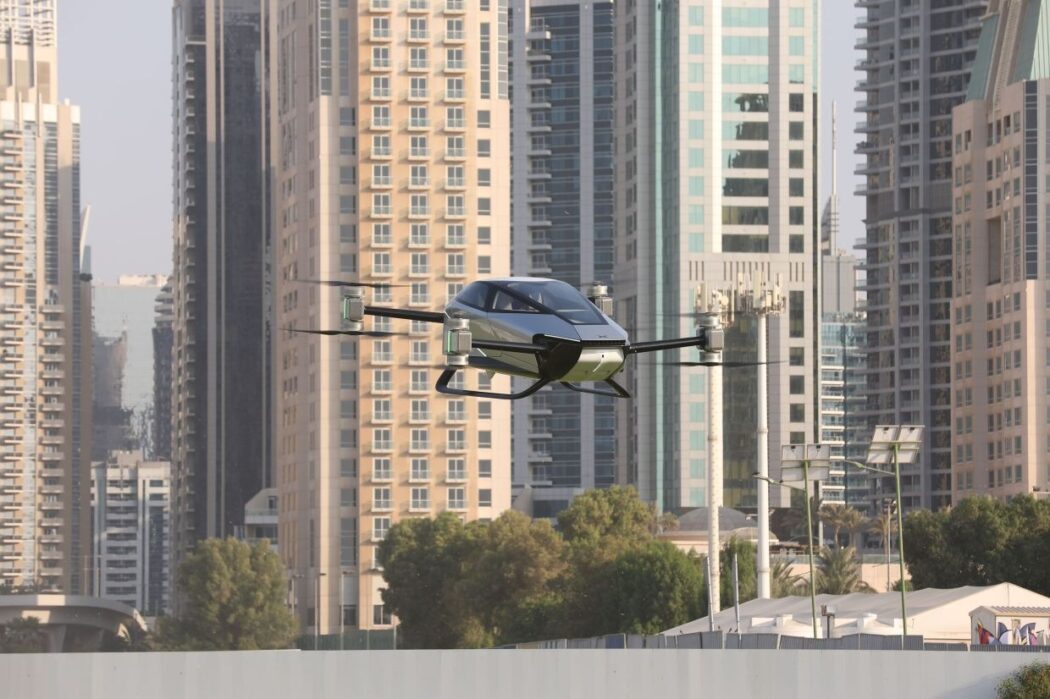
[[763, 298], [897, 444], [710, 308], [799, 465]]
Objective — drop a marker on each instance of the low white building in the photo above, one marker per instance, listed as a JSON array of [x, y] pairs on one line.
[[936, 615], [131, 513]]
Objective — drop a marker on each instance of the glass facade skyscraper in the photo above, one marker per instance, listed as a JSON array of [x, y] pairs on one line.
[[716, 131]]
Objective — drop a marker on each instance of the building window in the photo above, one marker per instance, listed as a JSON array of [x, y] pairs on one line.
[[484, 497], [457, 498], [380, 615]]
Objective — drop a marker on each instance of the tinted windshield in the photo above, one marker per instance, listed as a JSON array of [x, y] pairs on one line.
[[561, 298]]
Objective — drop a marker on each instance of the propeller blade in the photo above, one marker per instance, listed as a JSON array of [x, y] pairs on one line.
[[731, 365], [355, 333], [341, 282]]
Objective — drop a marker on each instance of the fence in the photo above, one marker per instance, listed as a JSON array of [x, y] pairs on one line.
[[718, 640], [353, 639]]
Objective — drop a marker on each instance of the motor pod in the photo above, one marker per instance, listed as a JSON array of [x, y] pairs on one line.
[[714, 338], [458, 342], [599, 296], [353, 308]]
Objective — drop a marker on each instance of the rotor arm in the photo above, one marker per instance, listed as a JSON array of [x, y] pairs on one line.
[[709, 341], [405, 314]]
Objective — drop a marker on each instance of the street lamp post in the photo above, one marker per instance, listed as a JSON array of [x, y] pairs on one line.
[[897, 444], [802, 463], [317, 612]]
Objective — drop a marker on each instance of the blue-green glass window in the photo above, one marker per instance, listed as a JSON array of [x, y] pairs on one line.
[[696, 44], [696, 242], [696, 157], [696, 128], [696, 72], [696, 413], [696, 186], [797, 74], [745, 46], [696, 16], [797, 16], [797, 46], [696, 440], [696, 468], [745, 16], [737, 73], [696, 100], [745, 130], [696, 384], [696, 215], [745, 102], [697, 497]]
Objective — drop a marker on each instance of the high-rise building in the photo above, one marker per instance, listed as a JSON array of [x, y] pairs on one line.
[[221, 418], [130, 508], [1001, 321], [562, 114], [125, 309], [916, 67], [716, 131], [391, 165], [163, 315], [843, 420], [45, 315], [110, 420]]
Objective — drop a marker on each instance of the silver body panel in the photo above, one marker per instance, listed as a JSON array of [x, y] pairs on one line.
[[596, 363]]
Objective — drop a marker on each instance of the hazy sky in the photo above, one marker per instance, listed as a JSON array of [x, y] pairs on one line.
[[120, 76]]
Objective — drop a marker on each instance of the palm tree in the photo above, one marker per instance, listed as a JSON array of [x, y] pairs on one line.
[[853, 521], [839, 517], [782, 582], [839, 572], [884, 525]]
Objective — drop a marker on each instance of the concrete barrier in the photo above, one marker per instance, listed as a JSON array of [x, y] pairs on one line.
[[524, 674]]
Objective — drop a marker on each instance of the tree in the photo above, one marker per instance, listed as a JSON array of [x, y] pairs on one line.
[[833, 515], [838, 572], [511, 581], [22, 636], [1030, 682], [648, 590], [980, 541], [603, 523], [747, 571], [782, 582], [424, 563], [234, 599]]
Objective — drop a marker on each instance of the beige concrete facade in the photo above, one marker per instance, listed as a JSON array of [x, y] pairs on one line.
[[1000, 321], [391, 164], [45, 316]]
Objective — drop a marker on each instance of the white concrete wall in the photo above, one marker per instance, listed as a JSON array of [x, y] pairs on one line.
[[608, 674]]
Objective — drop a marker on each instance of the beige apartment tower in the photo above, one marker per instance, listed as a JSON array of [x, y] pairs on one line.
[[45, 316], [1001, 304], [390, 158]]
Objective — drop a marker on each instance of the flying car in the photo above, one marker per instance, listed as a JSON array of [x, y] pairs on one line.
[[532, 327]]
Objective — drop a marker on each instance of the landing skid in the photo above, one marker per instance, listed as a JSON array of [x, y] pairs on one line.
[[446, 377]]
